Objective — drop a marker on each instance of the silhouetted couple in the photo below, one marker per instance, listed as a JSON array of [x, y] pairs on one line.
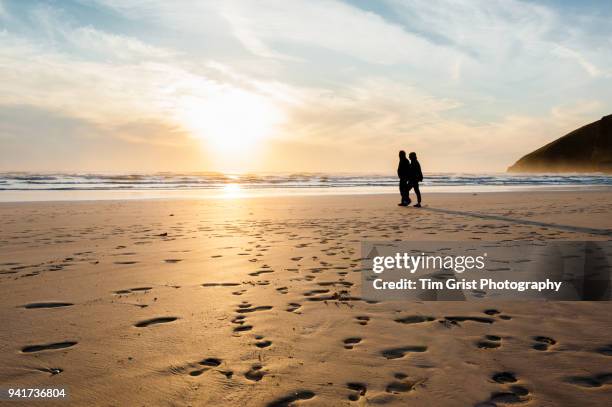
[[409, 173]]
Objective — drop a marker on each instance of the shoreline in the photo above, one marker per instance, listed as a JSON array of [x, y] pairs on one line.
[[25, 196]]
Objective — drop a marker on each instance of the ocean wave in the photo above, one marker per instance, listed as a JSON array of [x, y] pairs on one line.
[[213, 180]]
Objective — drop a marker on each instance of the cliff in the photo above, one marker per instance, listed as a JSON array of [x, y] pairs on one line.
[[587, 149]]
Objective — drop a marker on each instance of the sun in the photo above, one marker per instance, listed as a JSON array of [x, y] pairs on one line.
[[231, 119]]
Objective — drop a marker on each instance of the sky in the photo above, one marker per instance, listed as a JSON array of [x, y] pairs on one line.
[[295, 85]]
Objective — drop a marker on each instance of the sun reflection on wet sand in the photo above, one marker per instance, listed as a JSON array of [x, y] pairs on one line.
[[232, 191]]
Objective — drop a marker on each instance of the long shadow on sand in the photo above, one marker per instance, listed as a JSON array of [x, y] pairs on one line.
[[569, 228]]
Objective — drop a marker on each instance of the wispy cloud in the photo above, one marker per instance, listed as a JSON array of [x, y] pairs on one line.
[[589, 68], [328, 25], [89, 39]]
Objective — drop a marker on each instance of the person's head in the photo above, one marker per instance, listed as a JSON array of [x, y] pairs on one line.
[[412, 155], [402, 155]]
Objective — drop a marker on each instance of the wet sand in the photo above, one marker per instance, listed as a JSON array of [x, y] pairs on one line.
[[255, 302]]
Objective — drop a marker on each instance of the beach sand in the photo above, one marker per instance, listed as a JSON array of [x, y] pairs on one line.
[[231, 302]]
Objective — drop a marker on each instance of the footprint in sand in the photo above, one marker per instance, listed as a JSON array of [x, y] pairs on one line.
[[220, 284], [398, 387], [239, 319], [243, 328], [255, 373], [349, 343], [36, 305], [402, 385], [397, 353], [504, 377], [154, 321], [213, 362], [490, 342], [494, 312], [414, 319], [282, 290], [457, 319], [313, 292], [289, 400], [48, 346], [246, 308], [335, 283], [362, 319], [590, 381], [258, 272], [293, 306], [172, 260], [512, 394], [133, 290], [359, 390], [263, 344], [543, 343], [208, 363]]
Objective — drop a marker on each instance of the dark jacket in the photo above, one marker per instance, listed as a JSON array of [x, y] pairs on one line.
[[403, 169], [415, 171]]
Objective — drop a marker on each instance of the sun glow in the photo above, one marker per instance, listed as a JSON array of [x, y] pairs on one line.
[[231, 119], [232, 190]]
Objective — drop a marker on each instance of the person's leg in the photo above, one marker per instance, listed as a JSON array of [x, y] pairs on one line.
[[408, 193], [408, 188], [403, 187], [417, 191]]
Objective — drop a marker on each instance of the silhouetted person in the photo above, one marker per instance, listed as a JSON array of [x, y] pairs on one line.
[[403, 172], [415, 176]]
